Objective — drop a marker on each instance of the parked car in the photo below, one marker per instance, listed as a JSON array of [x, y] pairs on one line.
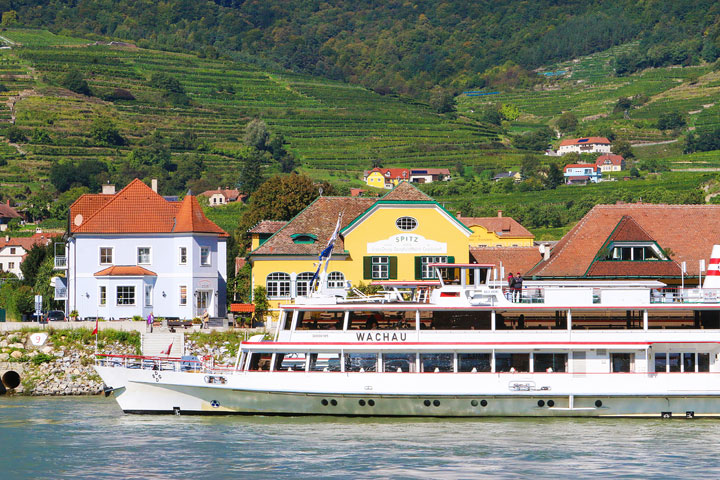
[[55, 316]]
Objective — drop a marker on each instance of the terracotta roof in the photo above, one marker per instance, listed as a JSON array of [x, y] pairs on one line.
[[514, 259], [581, 165], [431, 171], [138, 209], [628, 230], [267, 226], [634, 269], [6, 211], [688, 231], [231, 194], [585, 141], [392, 173], [28, 242], [319, 219], [609, 158], [405, 191], [502, 226], [125, 271]]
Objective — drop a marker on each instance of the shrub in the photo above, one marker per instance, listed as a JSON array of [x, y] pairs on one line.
[[15, 135], [42, 358], [75, 82]]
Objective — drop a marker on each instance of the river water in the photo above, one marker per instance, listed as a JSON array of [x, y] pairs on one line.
[[85, 437]]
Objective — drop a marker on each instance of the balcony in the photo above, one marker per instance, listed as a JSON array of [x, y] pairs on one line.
[[60, 263]]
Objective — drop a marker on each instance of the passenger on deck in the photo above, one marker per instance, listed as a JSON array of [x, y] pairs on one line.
[[518, 287], [511, 287]]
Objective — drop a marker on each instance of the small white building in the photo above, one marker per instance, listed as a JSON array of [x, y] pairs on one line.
[[223, 196], [429, 175], [610, 163], [585, 145], [14, 250], [133, 252]]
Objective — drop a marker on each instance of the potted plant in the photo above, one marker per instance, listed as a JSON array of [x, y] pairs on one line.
[[74, 315]]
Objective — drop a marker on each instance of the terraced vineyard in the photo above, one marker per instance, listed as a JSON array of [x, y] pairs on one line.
[[329, 126]]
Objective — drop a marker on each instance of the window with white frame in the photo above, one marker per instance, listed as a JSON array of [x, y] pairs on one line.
[[336, 280], [429, 272], [11, 265], [380, 268], [183, 294], [125, 295], [106, 255], [278, 285], [102, 295], [143, 255], [406, 224], [204, 255], [302, 284], [148, 295], [183, 255]]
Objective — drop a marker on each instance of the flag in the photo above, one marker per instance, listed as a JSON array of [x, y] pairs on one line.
[[327, 251], [167, 351], [96, 326]]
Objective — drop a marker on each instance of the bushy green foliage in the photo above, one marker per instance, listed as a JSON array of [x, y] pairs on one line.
[[104, 131], [75, 82], [41, 358], [670, 121]]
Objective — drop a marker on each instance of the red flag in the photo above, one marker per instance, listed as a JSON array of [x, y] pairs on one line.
[[96, 326], [167, 352]]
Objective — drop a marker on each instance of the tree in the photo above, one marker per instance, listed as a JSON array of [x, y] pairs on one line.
[[9, 18], [15, 135], [670, 121], [441, 100], [256, 134], [38, 205], [491, 115], [554, 177], [31, 265], [251, 177], [623, 148], [623, 103], [509, 112], [567, 122], [104, 131], [171, 88], [75, 82], [261, 304], [529, 166]]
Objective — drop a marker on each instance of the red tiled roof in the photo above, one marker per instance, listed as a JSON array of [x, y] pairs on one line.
[[28, 242], [405, 191], [267, 226], [394, 173], [230, 195], [138, 209], [514, 259], [634, 269], [125, 271], [581, 165], [502, 226], [609, 158], [6, 211], [688, 231], [586, 141], [573, 178]]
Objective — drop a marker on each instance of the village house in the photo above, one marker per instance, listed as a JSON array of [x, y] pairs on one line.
[[610, 163], [635, 241], [14, 250], [516, 176], [581, 173], [133, 253], [386, 177], [497, 232], [429, 175], [7, 213], [585, 145], [223, 196]]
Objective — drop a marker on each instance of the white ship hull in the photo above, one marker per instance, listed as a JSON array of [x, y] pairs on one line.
[[408, 394]]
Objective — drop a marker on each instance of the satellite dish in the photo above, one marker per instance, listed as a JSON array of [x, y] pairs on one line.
[[78, 220]]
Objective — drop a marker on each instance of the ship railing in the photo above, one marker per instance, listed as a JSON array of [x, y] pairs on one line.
[[525, 295], [161, 363], [674, 295]]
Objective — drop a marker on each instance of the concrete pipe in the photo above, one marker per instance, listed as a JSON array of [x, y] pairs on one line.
[[11, 379]]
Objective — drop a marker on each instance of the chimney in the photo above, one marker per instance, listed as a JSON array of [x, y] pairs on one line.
[[8, 202], [499, 213], [108, 189], [153, 184], [7, 238], [544, 251]]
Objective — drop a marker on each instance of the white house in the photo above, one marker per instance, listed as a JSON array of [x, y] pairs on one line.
[[582, 173], [610, 163], [223, 196], [133, 252], [585, 145], [429, 175], [14, 250]]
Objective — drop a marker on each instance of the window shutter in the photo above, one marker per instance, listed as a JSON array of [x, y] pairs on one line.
[[451, 271], [393, 268], [367, 268], [418, 268], [450, 259]]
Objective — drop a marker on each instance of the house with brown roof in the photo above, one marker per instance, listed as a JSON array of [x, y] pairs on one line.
[[263, 230], [610, 163], [507, 259], [585, 145], [223, 196], [133, 253], [396, 237], [7, 213], [429, 175], [14, 250], [635, 241], [497, 232], [386, 177]]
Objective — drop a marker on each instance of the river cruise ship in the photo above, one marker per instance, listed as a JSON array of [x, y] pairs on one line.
[[464, 345]]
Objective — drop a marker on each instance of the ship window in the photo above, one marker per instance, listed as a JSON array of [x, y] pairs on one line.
[[688, 362], [320, 320], [703, 362], [324, 362], [260, 361], [336, 280], [289, 362], [455, 320], [545, 361], [674, 362], [508, 362], [278, 285], [399, 362], [302, 283], [356, 362], [406, 224], [382, 320], [474, 362], [661, 362], [440, 362], [622, 362]]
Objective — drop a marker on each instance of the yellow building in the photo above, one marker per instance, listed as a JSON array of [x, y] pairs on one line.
[[395, 237], [497, 232], [386, 177]]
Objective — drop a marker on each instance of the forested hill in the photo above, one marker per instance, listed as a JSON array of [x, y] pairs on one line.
[[398, 45]]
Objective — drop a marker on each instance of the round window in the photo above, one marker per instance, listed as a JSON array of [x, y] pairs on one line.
[[406, 223]]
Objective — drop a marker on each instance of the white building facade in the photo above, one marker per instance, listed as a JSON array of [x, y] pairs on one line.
[[585, 145]]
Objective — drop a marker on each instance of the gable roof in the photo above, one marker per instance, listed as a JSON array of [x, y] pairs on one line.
[[231, 194], [125, 271], [689, 231], [28, 242], [138, 209], [501, 226], [585, 141], [513, 259], [581, 165], [609, 159], [6, 211], [267, 226], [392, 173], [404, 191]]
